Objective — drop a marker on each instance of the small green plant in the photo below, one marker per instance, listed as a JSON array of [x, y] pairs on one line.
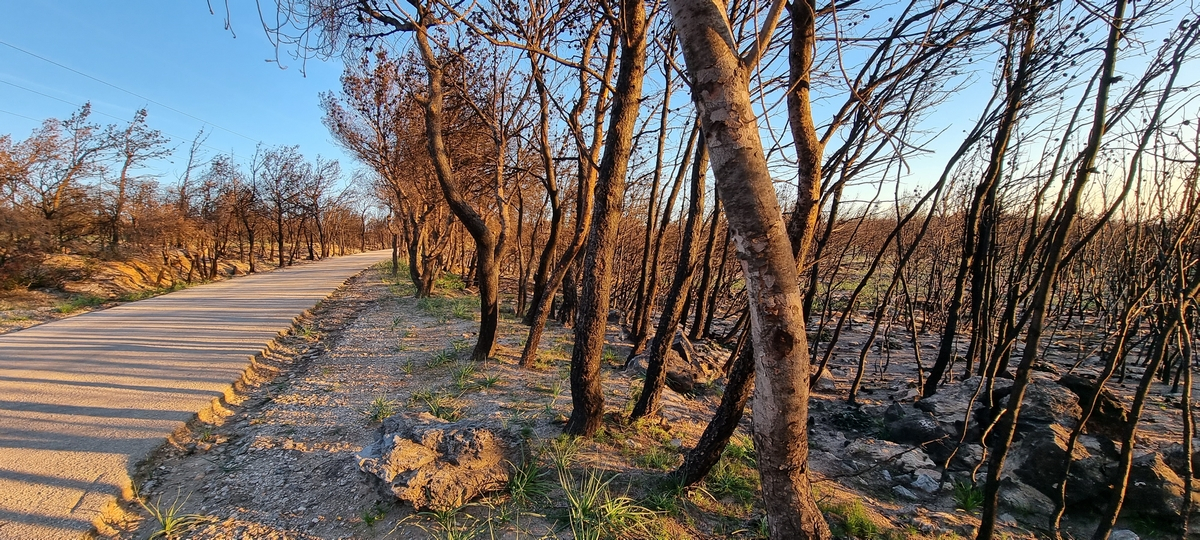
[[431, 305], [741, 448], [967, 496], [171, 521], [635, 393], [528, 483], [379, 409], [373, 513], [450, 527], [656, 458], [464, 375], [449, 282], [563, 450], [852, 520], [609, 357], [460, 345], [442, 358], [461, 311], [667, 498], [308, 333], [555, 393], [397, 321], [489, 380], [859, 524], [407, 367], [440, 405], [79, 302], [732, 480], [595, 513]]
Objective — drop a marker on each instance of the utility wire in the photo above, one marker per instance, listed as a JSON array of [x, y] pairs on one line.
[[102, 113], [19, 115], [139, 96]]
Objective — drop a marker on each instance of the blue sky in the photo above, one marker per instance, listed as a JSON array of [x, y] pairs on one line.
[[172, 52]]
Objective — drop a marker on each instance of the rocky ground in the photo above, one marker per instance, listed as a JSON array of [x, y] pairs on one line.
[[370, 408]]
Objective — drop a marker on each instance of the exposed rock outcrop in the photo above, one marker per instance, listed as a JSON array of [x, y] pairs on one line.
[[434, 464]]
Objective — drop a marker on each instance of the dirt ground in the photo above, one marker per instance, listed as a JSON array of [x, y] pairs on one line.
[[280, 463]]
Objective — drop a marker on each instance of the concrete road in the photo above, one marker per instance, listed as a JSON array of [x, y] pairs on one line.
[[84, 399]]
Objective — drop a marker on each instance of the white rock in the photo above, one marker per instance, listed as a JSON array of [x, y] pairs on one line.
[[925, 483], [904, 492]]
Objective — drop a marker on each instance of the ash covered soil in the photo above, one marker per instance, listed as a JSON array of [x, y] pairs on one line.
[[280, 460]]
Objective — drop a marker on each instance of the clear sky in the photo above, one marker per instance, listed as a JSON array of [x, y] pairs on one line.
[[172, 52]]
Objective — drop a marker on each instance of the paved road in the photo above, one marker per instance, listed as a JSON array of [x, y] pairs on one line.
[[84, 399]]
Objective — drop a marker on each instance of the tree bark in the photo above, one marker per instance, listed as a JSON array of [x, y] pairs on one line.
[[720, 87], [486, 244], [1007, 425], [664, 335], [592, 313], [701, 459]]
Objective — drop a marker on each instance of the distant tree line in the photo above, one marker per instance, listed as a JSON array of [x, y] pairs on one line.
[[76, 187]]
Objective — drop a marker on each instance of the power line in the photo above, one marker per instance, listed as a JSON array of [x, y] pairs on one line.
[[19, 115], [139, 96], [102, 113]]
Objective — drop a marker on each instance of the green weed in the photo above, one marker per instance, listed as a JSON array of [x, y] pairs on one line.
[[449, 282], [657, 458], [967, 496], [450, 527], [373, 513], [379, 409], [528, 483], [171, 521], [489, 380], [734, 480], [563, 451], [595, 513], [79, 302], [462, 312], [440, 359], [440, 404], [464, 375]]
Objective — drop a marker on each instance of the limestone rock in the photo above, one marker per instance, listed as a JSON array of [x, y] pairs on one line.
[[434, 464], [686, 368], [1173, 456], [1045, 403], [1039, 459], [1109, 416], [904, 492], [920, 429], [949, 404], [1123, 534], [1024, 499], [1155, 491], [889, 455], [927, 480]]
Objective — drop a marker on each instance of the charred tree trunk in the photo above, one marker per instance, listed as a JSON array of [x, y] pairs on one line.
[[566, 268], [699, 330], [701, 459], [486, 243], [656, 367], [983, 197], [1007, 424], [592, 314]]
